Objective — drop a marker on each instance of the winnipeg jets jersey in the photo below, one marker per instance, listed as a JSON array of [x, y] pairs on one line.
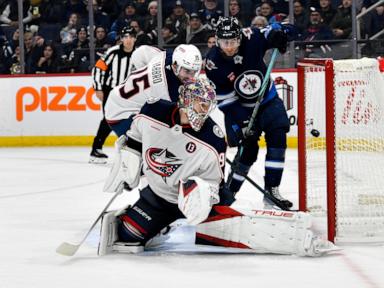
[[151, 82], [172, 152], [240, 77]]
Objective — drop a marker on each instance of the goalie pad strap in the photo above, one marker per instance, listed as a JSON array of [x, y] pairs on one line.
[[135, 145], [209, 240]]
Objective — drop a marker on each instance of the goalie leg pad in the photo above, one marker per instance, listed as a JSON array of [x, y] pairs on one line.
[[108, 233], [263, 231], [109, 236]]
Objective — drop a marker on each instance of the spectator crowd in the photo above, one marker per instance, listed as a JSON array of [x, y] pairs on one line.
[[56, 32]]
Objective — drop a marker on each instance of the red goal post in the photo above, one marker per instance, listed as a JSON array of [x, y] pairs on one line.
[[341, 147]]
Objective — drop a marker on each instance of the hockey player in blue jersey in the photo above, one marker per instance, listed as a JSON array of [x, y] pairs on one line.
[[237, 69]]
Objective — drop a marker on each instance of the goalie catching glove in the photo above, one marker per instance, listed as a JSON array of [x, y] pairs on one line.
[[196, 197], [126, 168]]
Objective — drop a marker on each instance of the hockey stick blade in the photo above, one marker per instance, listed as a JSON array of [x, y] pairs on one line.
[[67, 249]]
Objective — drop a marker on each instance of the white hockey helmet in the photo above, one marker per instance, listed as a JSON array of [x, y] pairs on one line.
[[187, 56], [198, 92]]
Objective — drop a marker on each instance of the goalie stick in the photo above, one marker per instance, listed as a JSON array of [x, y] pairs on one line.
[[248, 130], [68, 249]]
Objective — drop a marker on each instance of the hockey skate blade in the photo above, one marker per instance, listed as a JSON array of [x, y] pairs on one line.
[[67, 249], [98, 161], [129, 248]]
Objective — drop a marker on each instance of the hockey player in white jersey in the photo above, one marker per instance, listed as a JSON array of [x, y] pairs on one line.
[[181, 151], [160, 78]]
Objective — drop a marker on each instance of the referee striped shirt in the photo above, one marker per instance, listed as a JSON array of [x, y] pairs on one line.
[[111, 69]]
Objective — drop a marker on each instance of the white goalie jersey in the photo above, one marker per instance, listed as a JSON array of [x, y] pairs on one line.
[[145, 84], [172, 153]]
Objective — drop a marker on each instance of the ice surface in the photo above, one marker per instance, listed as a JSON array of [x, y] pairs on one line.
[[51, 195]]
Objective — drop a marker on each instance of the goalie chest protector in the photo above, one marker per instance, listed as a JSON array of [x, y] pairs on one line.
[[172, 152]]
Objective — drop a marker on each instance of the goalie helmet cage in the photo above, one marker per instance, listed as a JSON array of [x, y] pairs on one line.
[[341, 147]]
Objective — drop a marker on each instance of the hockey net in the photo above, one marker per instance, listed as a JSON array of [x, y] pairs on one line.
[[341, 147]]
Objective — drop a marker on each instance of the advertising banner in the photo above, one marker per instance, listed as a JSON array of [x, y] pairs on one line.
[[46, 107]]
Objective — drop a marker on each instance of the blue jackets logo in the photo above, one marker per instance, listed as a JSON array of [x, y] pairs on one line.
[[162, 162]]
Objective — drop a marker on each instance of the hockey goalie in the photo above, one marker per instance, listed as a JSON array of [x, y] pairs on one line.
[[181, 152]]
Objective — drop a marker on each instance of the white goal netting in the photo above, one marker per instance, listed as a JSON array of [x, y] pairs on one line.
[[358, 91]]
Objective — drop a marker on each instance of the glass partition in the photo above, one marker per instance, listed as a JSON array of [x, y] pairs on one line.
[[68, 36]]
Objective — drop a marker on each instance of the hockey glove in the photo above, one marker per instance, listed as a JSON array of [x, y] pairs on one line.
[[234, 133], [278, 35], [125, 172], [196, 197], [278, 39]]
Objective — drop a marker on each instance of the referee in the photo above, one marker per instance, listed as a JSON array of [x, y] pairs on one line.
[[109, 71]]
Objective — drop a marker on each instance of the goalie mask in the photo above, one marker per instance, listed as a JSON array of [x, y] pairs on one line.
[[197, 99]]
